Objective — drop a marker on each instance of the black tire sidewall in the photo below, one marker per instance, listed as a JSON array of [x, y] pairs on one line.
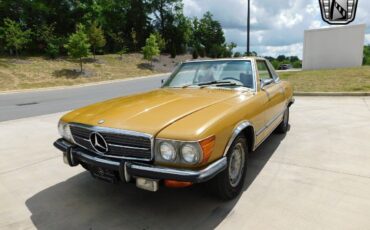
[[223, 186]]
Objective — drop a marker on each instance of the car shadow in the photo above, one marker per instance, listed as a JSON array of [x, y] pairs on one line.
[[82, 202]]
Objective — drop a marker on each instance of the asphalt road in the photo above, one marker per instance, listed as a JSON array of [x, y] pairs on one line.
[[317, 176], [27, 104]]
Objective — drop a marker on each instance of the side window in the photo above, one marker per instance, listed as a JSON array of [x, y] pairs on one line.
[[263, 70], [273, 72]]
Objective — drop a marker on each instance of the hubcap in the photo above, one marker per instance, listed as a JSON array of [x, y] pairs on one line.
[[236, 165]]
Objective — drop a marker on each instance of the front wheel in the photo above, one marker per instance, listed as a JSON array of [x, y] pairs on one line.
[[229, 183]]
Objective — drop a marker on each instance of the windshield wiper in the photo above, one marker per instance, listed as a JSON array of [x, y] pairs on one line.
[[214, 83], [219, 83], [187, 86]]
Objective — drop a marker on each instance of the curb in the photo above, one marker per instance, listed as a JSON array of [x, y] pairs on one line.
[[81, 85], [333, 94]]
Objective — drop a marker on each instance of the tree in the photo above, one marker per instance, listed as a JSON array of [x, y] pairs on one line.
[[150, 49], [53, 48], [228, 52], [120, 41], [43, 35], [138, 20], [96, 37], [366, 59], [209, 33], [293, 59], [237, 54], [14, 36], [78, 45], [281, 58], [160, 41], [163, 11], [172, 24], [134, 38]]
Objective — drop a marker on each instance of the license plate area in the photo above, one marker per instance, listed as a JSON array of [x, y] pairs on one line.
[[104, 174]]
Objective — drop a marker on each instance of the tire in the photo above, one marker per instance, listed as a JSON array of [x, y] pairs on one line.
[[229, 183], [284, 125]]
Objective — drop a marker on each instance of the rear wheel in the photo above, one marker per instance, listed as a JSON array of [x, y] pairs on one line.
[[229, 183], [284, 125]]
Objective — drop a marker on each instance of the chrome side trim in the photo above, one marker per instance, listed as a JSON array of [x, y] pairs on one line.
[[237, 130], [118, 131], [269, 123]]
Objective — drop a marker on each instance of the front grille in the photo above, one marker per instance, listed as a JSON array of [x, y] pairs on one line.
[[119, 143]]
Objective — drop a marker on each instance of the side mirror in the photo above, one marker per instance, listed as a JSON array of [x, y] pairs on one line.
[[163, 81], [266, 82]]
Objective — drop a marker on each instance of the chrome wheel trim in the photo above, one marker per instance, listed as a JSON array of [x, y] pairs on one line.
[[286, 118], [236, 165]]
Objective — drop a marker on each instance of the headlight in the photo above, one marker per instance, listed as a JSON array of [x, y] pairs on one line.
[[183, 152], [167, 151], [65, 131], [190, 153]]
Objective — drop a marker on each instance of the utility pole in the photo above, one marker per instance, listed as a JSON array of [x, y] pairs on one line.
[[248, 27]]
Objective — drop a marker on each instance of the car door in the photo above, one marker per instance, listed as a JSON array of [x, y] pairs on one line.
[[275, 98]]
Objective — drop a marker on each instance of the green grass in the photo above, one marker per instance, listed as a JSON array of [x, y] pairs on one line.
[[335, 80], [40, 72]]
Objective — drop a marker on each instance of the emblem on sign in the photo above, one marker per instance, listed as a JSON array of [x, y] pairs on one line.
[[338, 12]]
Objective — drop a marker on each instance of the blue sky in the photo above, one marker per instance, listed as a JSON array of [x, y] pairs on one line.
[[277, 25]]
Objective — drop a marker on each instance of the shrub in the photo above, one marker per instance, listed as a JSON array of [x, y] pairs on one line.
[[53, 48]]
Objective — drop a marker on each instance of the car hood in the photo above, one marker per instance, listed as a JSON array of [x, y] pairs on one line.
[[149, 112]]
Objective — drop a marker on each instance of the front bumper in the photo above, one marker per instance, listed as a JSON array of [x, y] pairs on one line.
[[73, 156]]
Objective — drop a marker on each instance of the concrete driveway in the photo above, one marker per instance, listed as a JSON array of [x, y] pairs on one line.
[[315, 177]]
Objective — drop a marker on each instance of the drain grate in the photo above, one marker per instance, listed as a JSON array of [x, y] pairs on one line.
[[29, 103]]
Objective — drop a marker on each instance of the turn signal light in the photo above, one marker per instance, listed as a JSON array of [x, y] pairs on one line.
[[207, 146], [177, 184]]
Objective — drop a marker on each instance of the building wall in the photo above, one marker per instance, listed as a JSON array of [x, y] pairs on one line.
[[335, 47]]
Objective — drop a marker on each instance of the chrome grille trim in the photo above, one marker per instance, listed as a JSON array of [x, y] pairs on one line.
[[105, 130]]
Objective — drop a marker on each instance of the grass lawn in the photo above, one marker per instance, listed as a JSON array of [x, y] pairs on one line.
[[39, 72], [336, 80]]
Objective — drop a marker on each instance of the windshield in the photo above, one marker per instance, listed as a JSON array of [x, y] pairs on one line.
[[231, 74]]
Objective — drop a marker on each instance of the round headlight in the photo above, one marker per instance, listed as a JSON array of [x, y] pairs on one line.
[[65, 131], [167, 151], [190, 154]]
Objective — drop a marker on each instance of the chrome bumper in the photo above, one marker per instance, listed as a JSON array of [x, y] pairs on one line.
[[73, 156]]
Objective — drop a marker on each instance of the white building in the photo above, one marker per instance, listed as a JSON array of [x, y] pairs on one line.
[[334, 47]]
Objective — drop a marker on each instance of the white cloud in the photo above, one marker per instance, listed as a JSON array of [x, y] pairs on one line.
[[277, 26]]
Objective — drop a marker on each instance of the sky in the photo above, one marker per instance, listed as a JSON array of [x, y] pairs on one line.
[[277, 26]]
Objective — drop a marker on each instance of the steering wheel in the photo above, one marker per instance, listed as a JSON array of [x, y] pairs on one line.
[[233, 79]]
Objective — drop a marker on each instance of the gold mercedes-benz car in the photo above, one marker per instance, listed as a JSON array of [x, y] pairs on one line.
[[198, 127]]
